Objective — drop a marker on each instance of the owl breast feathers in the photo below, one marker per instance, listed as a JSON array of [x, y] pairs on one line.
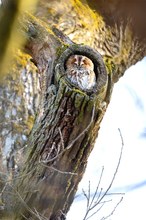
[[80, 71]]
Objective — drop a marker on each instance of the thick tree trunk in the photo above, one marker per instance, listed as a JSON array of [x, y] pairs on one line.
[[61, 140], [68, 118]]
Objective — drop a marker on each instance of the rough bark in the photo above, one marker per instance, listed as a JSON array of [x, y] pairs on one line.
[[63, 135], [60, 147], [68, 119]]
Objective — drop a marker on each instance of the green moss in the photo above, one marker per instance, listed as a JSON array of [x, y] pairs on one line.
[[68, 91], [79, 91], [78, 100], [82, 111], [61, 49], [60, 93], [68, 184], [109, 64], [90, 105]]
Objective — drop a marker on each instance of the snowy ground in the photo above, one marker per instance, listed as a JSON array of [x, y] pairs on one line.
[[126, 111]]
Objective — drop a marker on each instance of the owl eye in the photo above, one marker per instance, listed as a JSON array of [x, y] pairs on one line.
[[84, 62], [74, 61]]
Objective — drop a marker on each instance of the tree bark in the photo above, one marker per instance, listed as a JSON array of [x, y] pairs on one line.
[[68, 118], [62, 138]]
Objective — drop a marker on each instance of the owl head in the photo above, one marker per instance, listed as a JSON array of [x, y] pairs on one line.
[[79, 62]]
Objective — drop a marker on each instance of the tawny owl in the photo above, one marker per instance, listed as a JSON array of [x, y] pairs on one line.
[[80, 71]]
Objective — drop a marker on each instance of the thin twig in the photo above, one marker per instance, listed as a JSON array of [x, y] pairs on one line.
[[59, 171], [26, 206], [103, 203], [3, 189], [84, 193], [89, 194], [97, 187], [39, 216], [61, 137], [19, 177], [91, 206], [111, 183], [24, 216], [96, 211], [104, 218]]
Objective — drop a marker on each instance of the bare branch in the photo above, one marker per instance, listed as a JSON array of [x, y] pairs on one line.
[[61, 137], [95, 211], [97, 199], [57, 170], [104, 218], [109, 187], [26, 206], [102, 204], [89, 194], [97, 188]]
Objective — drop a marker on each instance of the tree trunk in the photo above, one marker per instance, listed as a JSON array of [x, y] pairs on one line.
[[68, 117], [62, 138]]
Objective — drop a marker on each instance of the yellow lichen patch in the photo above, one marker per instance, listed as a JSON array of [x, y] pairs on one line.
[[82, 24], [10, 34], [29, 123], [22, 58], [84, 11]]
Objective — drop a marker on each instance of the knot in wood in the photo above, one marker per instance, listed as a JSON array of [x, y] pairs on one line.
[[83, 68]]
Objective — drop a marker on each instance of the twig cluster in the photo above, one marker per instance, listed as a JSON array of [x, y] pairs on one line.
[[96, 202]]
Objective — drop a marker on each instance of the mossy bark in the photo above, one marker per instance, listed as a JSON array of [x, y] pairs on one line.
[[64, 133], [68, 119], [61, 142]]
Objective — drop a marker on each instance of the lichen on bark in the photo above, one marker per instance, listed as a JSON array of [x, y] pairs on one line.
[[68, 118]]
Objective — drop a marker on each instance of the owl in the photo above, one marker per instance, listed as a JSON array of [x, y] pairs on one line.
[[80, 71]]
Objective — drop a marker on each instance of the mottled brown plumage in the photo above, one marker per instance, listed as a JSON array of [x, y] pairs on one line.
[[80, 71]]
